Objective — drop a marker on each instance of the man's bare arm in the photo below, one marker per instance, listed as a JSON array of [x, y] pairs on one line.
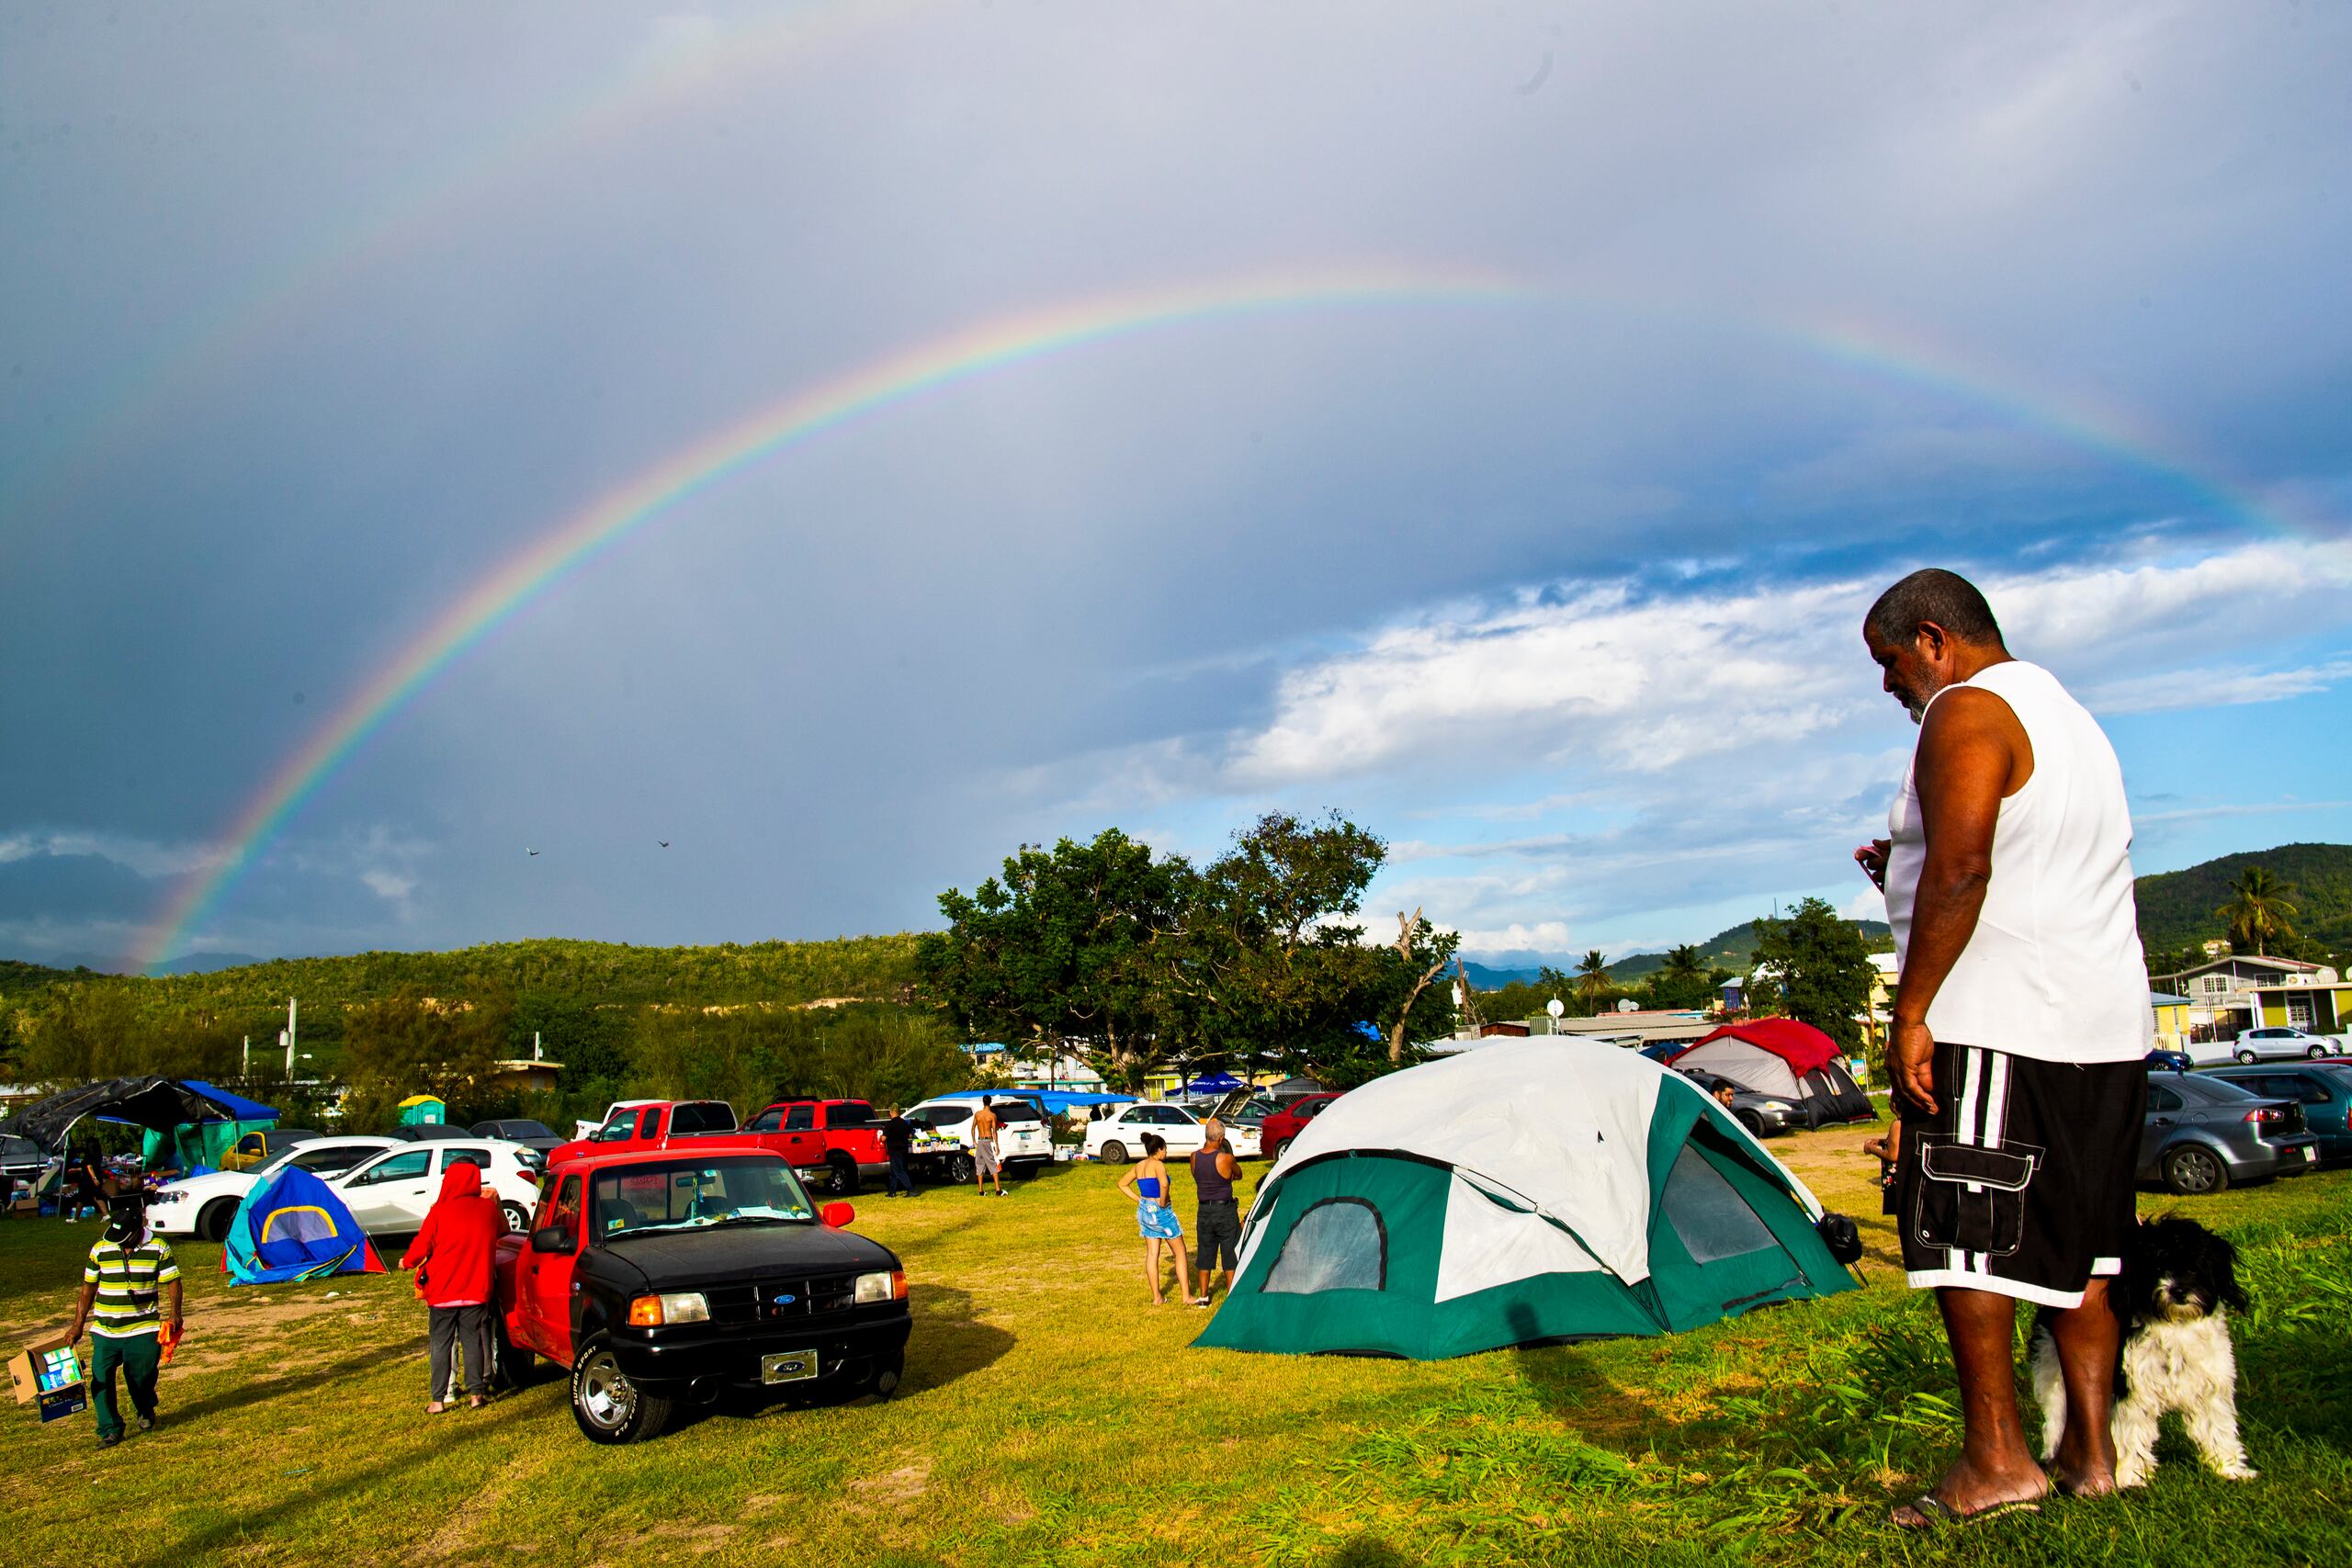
[[1972, 752], [82, 1312]]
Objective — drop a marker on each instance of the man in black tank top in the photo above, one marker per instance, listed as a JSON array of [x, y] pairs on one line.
[[1217, 1222]]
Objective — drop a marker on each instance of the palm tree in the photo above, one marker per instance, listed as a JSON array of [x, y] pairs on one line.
[[2258, 913], [1684, 964], [1592, 977]]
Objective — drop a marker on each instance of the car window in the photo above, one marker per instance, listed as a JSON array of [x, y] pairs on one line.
[[2162, 1099], [707, 1117], [406, 1166], [477, 1157], [800, 1118], [1313, 1108], [942, 1115], [564, 1210], [849, 1113], [690, 1196], [649, 1122], [1175, 1116], [618, 1130], [527, 1130], [327, 1161], [767, 1120]]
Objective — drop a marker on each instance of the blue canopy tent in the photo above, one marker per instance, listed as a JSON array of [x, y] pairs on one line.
[[1053, 1101], [293, 1226], [197, 1144], [1216, 1083]]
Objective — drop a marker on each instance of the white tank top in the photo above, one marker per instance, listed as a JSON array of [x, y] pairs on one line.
[[2054, 969]]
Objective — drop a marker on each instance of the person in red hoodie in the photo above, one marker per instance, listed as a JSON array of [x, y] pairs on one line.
[[451, 1255]]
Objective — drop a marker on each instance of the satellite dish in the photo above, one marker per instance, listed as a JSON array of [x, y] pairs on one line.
[[1627, 1004], [1555, 1007]]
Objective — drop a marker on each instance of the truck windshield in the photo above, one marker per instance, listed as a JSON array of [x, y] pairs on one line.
[[691, 1194]]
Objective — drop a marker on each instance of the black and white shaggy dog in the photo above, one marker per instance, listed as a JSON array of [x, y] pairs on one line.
[[2178, 1283]]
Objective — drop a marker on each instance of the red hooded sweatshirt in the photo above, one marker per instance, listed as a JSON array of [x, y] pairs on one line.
[[452, 1253]]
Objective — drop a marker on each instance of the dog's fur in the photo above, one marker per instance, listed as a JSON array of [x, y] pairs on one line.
[[2178, 1283]]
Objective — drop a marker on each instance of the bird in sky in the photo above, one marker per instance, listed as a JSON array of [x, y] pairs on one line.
[[530, 851], [664, 842]]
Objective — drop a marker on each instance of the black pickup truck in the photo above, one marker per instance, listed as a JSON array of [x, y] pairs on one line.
[[659, 1276]]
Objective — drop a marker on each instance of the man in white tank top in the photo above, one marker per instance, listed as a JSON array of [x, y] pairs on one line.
[[2019, 1028]]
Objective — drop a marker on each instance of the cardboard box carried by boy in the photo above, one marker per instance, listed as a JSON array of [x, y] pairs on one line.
[[49, 1373]]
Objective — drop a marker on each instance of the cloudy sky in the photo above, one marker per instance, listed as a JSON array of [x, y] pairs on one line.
[[315, 317]]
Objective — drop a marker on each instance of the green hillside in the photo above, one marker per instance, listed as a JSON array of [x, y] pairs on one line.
[[1734, 950], [2177, 906], [873, 967]]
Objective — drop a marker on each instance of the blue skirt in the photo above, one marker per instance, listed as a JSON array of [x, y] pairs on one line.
[[1157, 1222]]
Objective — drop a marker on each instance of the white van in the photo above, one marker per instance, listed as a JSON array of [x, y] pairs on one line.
[[1023, 1142]]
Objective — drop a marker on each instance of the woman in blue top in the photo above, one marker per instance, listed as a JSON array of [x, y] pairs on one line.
[[1147, 1185]]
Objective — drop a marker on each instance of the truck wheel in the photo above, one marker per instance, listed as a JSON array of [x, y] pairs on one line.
[[213, 1224], [840, 1174], [2192, 1170], [1114, 1153], [961, 1169], [518, 1219], [609, 1408]]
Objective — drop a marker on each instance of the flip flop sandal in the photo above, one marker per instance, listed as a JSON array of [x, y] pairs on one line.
[[1936, 1514]]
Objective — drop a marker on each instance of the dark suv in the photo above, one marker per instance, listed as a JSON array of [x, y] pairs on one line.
[[2201, 1134]]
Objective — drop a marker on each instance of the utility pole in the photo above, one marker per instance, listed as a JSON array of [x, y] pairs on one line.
[[245, 1061], [536, 1053], [290, 1040]]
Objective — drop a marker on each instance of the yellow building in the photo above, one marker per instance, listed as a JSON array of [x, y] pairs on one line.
[[2172, 1020]]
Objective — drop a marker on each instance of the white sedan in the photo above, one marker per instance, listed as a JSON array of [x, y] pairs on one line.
[[1119, 1138], [389, 1194], [202, 1206]]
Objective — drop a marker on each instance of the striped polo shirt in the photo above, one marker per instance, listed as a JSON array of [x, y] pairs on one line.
[[129, 1281]]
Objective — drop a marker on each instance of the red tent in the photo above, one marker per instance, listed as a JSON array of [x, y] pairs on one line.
[[1805, 1048]]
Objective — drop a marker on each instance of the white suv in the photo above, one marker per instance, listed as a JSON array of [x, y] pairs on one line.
[[1025, 1140], [2270, 1043], [202, 1206], [1119, 1138], [389, 1194]]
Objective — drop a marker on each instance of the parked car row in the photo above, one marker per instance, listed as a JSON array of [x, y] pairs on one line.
[[387, 1183]]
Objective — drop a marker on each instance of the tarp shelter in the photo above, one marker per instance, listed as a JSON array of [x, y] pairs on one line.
[[1787, 1060], [422, 1111], [157, 1103], [195, 1144], [1530, 1191], [293, 1226], [1055, 1102], [1215, 1083]]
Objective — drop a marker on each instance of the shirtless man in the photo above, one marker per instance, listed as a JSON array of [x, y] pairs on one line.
[[984, 1125]]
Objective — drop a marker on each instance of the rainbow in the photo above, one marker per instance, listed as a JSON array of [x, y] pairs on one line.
[[580, 539], [661, 490], [658, 81]]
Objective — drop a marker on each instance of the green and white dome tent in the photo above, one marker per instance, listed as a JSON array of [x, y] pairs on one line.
[[1539, 1190]]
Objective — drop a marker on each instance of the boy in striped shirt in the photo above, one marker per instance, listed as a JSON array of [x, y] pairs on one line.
[[122, 1288]]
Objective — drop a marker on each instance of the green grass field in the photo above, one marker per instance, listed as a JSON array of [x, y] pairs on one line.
[[1052, 1415]]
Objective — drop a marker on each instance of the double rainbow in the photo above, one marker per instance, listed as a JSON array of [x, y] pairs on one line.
[[659, 491]]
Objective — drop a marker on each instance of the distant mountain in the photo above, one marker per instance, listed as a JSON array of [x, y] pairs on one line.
[[2177, 906], [23, 979], [1488, 978]]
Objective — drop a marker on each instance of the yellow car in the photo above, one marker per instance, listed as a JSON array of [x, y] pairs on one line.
[[259, 1148]]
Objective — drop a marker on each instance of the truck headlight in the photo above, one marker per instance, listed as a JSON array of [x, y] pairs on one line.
[[653, 1312], [890, 1285]]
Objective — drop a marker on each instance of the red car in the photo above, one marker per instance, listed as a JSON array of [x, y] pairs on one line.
[[1278, 1130]]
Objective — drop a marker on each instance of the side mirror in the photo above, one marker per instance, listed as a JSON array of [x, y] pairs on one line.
[[551, 1238], [836, 1215]]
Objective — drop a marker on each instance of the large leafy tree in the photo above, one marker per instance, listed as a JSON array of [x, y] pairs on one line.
[[1813, 967], [418, 1045], [2259, 913], [1068, 950]]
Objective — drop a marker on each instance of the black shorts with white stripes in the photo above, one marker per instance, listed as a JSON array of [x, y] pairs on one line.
[[2021, 1183]]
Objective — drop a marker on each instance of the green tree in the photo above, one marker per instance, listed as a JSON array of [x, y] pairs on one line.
[[1813, 967], [2258, 914], [1593, 984], [92, 1029], [1069, 950], [415, 1045]]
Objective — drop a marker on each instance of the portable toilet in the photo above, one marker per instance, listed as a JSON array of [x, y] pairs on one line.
[[423, 1110]]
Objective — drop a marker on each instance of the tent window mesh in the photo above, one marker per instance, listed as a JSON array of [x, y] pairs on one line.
[[1339, 1245], [1708, 1213]]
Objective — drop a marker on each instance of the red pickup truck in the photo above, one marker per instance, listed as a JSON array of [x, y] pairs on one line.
[[832, 1143], [660, 1124], [836, 1143]]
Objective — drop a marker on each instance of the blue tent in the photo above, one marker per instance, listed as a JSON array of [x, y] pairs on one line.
[[294, 1228], [1053, 1101], [1216, 1083]]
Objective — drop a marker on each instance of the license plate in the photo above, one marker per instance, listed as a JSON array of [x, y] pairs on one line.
[[2310, 1154], [790, 1367]]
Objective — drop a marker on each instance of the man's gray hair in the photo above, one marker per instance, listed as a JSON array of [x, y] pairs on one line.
[[1931, 596]]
